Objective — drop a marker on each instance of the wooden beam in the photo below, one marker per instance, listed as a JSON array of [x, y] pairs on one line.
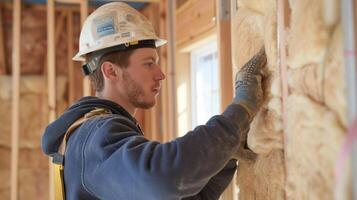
[[171, 8], [51, 61], [16, 62], [164, 63], [87, 89], [51, 76], [71, 80], [167, 62], [40, 7], [224, 51], [2, 47]]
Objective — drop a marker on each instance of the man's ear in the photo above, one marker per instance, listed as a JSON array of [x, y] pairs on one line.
[[110, 71]]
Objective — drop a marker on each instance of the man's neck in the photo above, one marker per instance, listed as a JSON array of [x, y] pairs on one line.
[[127, 106]]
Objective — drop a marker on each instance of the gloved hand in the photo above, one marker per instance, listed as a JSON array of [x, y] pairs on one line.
[[249, 94], [248, 89]]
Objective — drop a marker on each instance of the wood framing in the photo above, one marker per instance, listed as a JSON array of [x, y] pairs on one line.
[[71, 79], [51, 61], [171, 29], [87, 89], [51, 77], [40, 7], [163, 63], [2, 47], [224, 42], [224, 51], [195, 19], [16, 62]]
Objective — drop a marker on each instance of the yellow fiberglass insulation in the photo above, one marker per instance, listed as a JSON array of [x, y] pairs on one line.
[[32, 120], [314, 138], [296, 162]]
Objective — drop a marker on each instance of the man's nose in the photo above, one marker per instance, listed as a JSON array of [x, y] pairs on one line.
[[160, 75]]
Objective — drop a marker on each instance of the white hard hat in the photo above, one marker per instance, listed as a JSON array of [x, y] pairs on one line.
[[114, 24]]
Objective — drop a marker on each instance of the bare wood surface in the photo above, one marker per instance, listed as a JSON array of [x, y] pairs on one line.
[[71, 80], [51, 78], [87, 89], [171, 8], [224, 50], [224, 56], [16, 62]]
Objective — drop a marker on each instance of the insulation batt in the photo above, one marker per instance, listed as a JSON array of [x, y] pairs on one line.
[[302, 168], [33, 39], [314, 137], [324, 82], [308, 36], [253, 26], [33, 165]]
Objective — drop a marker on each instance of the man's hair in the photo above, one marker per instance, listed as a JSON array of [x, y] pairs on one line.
[[120, 58]]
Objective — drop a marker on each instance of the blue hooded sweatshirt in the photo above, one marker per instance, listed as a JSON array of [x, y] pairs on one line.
[[108, 157]]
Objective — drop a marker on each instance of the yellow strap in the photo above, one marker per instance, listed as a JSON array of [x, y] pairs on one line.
[[58, 178], [60, 193]]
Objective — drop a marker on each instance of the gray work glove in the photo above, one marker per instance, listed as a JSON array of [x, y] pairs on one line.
[[248, 87], [249, 94]]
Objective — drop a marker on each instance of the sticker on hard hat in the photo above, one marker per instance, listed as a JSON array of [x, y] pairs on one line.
[[105, 26], [126, 35]]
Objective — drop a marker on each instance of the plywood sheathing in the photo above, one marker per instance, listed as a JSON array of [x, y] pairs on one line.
[[316, 103]]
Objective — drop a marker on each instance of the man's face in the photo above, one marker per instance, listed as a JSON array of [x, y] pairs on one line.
[[141, 80]]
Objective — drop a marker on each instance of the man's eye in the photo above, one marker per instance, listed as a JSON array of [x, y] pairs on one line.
[[149, 64]]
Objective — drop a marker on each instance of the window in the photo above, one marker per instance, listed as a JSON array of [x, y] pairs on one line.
[[205, 83]]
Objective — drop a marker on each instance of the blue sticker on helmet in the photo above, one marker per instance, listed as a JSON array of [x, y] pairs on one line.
[[105, 26]]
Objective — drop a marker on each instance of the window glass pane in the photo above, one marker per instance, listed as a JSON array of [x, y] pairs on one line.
[[205, 83]]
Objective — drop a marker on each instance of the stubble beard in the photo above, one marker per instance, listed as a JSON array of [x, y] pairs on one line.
[[135, 92]]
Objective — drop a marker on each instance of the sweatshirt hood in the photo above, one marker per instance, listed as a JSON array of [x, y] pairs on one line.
[[54, 133]]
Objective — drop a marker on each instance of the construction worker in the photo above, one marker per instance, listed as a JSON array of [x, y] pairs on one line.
[[101, 150]]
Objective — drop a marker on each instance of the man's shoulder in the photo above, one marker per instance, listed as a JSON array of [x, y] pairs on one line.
[[112, 122]]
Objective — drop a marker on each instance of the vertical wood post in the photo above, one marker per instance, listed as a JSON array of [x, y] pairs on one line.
[[51, 78], [223, 16], [224, 51], [16, 62], [171, 100], [164, 63], [71, 80], [87, 89]]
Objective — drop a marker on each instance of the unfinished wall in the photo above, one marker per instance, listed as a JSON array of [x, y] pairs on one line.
[[316, 107], [33, 164]]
